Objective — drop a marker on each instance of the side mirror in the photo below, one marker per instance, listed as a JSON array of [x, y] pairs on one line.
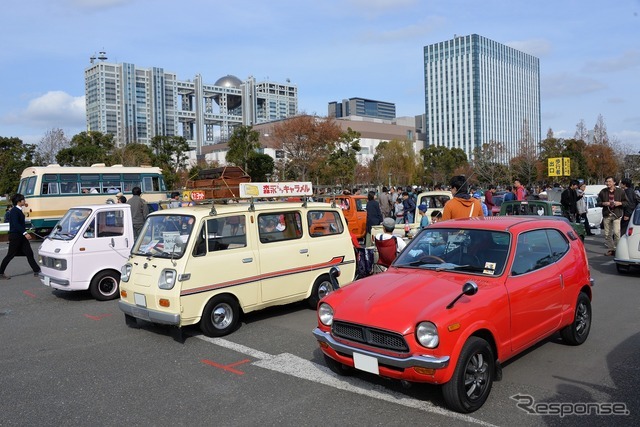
[[469, 288], [334, 273]]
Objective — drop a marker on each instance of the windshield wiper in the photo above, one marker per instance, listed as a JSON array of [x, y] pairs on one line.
[[468, 268]]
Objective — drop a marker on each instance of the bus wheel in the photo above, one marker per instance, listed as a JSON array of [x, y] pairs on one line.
[[104, 285], [321, 287], [220, 316]]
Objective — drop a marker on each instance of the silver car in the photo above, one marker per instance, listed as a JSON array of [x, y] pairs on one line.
[[628, 249]]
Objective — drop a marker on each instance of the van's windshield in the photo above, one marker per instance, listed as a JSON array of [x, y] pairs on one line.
[[70, 224], [164, 236]]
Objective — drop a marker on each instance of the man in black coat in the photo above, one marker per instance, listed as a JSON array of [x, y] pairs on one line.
[[374, 215], [18, 238], [569, 200]]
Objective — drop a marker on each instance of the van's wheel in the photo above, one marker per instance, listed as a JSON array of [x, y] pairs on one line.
[[104, 285], [220, 316], [321, 287], [623, 269], [578, 331], [470, 385]]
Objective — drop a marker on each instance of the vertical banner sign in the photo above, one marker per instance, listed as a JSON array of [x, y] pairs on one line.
[[567, 166], [559, 166]]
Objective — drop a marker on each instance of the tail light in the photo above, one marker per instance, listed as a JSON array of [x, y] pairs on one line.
[[629, 231]]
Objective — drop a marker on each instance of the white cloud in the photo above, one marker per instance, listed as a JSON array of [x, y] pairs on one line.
[[53, 109], [628, 60], [535, 47], [98, 4], [562, 85]]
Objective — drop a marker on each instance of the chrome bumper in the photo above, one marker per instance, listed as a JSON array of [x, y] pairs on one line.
[[149, 315], [423, 361]]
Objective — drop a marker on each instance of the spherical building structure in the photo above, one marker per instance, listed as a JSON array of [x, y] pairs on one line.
[[230, 81]]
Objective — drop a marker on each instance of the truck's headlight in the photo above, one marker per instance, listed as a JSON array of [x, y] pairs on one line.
[[427, 334], [325, 314], [125, 272], [167, 279]]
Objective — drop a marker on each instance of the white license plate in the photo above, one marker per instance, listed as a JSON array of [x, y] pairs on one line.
[[47, 281], [140, 300], [366, 363]]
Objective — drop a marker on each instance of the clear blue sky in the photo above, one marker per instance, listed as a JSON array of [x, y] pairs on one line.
[[589, 52]]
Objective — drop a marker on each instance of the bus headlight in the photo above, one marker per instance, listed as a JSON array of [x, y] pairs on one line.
[[125, 272], [167, 279]]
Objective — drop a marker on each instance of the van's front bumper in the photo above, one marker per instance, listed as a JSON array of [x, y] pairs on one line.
[[153, 316]]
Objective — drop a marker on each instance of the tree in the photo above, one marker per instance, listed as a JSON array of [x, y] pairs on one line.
[[582, 134], [14, 158], [170, 154], [50, 145], [396, 157], [575, 150], [439, 163], [485, 165], [260, 165], [341, 165], [600, 135], [242, 145], [87, 148], [133, 154], [307, 142], [524, 166], [601, 161]]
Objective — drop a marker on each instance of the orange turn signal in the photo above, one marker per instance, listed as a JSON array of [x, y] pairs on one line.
[[123, 294], [323, 344], [453, 327], [164, 302], [424, 371]]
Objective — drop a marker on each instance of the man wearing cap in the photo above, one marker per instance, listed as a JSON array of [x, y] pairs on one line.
[[18, 238], [388, 225]]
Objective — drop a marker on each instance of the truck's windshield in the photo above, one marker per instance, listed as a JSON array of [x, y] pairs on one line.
[[70, 224], [164, 236]]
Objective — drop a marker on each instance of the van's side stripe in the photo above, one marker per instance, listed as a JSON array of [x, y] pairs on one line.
[[339, 260]]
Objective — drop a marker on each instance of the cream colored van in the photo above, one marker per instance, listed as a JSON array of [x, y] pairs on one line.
[[209, 265]]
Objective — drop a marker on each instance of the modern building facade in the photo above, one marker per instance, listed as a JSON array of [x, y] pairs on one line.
[[135, 104], [478, 91], [363, 108]]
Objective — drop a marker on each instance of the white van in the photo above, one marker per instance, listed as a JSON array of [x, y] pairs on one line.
[[207, 265], [86, 250]]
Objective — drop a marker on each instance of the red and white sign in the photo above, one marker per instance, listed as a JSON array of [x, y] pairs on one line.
[[197, 195]]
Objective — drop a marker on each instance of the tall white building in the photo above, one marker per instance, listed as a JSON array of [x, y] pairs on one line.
[[135, 104], [477, 91]]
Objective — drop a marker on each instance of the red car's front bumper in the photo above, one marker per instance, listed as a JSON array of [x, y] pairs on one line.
[[415, 368]]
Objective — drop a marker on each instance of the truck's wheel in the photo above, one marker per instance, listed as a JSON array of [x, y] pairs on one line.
[[220, 316], [105, 285]]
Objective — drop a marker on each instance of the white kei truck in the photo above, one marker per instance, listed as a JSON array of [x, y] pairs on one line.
[[86, 250]]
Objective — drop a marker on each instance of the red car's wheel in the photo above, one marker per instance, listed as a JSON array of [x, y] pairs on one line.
[[578, 331]]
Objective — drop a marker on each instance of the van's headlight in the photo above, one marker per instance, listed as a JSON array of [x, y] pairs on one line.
[[427, 334], [167, 279], [125, 272], [325, 314]]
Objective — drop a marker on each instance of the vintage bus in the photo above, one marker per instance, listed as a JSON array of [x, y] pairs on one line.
[[51, 190]]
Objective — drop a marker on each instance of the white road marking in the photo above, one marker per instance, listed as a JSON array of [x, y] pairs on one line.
[[298, 367]]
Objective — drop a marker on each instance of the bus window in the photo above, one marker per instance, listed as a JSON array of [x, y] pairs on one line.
[[27, 186], [49, 188], [69, 187], [128, 186], [111, 183], [151, 183]]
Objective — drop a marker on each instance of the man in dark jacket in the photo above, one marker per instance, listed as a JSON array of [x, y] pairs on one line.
[[139, 210], [632, 200], [569, 200], [613, 201], [18, 238], [374, 215]]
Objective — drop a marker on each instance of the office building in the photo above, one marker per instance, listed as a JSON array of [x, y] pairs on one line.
[[135, 104], [363, 108], [477, 91]]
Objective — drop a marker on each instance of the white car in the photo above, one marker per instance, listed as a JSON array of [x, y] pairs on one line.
[[628, 249], [594, 213]]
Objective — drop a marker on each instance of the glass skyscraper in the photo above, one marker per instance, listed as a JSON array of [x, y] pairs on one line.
[[478, 91]]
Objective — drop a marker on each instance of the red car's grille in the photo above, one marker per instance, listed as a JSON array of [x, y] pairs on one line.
[[370, 336]]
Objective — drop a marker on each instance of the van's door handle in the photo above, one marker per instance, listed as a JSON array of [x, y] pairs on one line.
[[304, 251], [247, 260]]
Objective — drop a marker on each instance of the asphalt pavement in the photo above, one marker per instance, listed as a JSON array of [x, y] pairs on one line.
[[68, 360]]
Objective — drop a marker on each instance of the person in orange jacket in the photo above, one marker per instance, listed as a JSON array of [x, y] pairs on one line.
[[462, 205]]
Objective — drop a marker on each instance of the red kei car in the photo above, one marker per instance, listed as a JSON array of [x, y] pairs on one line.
[[462, 297]]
